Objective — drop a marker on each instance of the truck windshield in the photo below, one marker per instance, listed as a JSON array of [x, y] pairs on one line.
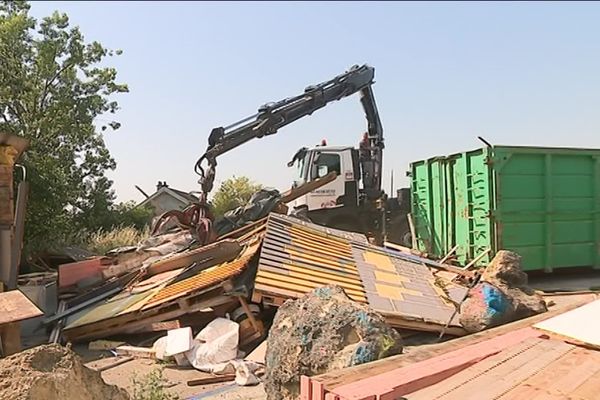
[[301, 170]]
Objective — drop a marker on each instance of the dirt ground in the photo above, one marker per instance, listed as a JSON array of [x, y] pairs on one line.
[[176, 379]]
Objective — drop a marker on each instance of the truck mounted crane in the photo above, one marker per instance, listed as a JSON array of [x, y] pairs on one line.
[[354, 201]]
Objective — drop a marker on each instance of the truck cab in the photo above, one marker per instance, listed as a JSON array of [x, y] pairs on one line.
[[319, 161]]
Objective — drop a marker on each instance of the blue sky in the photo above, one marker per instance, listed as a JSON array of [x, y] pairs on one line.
[[515, 73]]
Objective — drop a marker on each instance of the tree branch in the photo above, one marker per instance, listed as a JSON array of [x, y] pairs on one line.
[[49, 83]]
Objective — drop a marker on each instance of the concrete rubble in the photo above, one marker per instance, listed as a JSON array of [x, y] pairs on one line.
[[320, 332], [502, 295]]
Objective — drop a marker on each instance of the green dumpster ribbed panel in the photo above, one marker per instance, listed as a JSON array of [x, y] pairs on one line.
[[543, 203]]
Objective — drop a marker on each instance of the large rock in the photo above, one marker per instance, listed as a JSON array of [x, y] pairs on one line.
[[323, 331], [501, 297]]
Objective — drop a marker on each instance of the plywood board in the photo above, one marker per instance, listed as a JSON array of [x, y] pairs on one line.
[[15, 306], [581, 324]]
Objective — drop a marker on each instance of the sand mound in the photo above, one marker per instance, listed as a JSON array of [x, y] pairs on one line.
[[52, 372]]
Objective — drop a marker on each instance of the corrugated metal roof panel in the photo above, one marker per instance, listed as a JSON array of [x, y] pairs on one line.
[[298, 257], [404, 288]]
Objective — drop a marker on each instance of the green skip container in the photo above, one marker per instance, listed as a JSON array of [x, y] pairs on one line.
[[543, 203]]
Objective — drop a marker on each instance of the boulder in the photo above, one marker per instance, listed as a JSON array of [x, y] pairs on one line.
[[322, 331], [502, 295]]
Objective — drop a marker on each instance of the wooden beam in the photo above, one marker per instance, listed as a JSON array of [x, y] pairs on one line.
[[218, 252], [116, 363], [398, 382], [11, 338], [447, 256], [474, 261], [307, 187], [250, 315], [413, 232]]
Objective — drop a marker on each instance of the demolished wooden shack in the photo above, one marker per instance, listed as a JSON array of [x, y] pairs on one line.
[[268, 261]]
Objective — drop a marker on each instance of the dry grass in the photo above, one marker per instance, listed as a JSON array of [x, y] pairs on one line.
[[100, 242]]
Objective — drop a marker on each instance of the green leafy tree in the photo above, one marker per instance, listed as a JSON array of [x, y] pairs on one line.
[[53, 87], [232, 193]]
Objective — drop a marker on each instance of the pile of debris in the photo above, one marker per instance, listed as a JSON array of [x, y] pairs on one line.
[[341, 300], [52, 372]]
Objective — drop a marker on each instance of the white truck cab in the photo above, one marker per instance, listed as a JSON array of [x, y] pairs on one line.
[[319, 161]]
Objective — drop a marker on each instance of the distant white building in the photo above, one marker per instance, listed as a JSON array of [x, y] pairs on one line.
[[167, 199]]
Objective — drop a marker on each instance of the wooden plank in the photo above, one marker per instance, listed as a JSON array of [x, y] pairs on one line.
[[15, 306], [103, 345], [217, 253], [497, 375], [118, 361], [258, 354], [341, 377], [400, 381], [245, 229], [10, 334], [413, 232], [476, 259], [257, 327], [133, 321], [136, 352], [209, 380], [448, 255], [307, 187], [581, 324]]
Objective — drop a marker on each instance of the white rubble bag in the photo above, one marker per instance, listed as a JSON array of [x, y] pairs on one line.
[[215, 350], [215, 344]]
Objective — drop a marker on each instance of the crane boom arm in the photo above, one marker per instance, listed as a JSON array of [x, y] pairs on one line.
[[273, 116]]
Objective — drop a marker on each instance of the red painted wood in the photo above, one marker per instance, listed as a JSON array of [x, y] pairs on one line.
[[70, 274], [401, 381], [317, 390], [305, 388]]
